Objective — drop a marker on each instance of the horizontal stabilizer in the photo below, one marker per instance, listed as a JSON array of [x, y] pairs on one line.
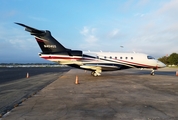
[[33, 31]]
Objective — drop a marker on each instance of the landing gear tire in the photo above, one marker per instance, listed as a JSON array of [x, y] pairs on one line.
[[92, 73], [152, 73], [95, 74]]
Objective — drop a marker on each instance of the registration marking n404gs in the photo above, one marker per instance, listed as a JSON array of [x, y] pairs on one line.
[[50, 46]]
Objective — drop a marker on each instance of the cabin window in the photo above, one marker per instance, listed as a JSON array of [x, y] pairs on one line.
[[97, 57], [150, 57], [125, 57], [115, 57], [131, 58], [120, 57], [110, 57], [104, 57]]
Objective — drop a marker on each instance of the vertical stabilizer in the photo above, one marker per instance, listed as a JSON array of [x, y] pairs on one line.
[[45, 40]]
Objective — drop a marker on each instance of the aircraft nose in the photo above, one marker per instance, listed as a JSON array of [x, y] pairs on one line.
[[160, 64]]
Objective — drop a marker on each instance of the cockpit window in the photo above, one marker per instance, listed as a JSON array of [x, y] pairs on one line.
[[150, 57]]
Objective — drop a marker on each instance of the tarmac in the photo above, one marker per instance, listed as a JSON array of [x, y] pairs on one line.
[[15, 86], [126, 95]]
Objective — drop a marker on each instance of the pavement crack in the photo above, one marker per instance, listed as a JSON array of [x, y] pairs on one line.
[[152, 107]]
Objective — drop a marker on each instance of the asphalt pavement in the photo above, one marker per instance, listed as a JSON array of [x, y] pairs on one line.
[[120, 95], [15, 87]]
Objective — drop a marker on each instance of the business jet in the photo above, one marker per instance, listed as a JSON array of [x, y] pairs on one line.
[[96, 62]]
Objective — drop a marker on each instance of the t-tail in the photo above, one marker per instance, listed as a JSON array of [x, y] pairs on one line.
[[48, 44]]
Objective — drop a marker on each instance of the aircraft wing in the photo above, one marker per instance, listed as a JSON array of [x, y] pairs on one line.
[[99, 67]]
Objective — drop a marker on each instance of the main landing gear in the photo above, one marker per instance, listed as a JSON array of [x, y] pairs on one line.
[[152, 72], [95, 73]]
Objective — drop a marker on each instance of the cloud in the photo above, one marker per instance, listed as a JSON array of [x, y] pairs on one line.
[[8, 14], [150, 31], [99, 39], [139, 15], [22, 43], [90, 39], [114, 33], [143, 2], [84, 31], [17, 39], [169, 8], [16, 44], [127, 5], [156, 33], [89, 35]]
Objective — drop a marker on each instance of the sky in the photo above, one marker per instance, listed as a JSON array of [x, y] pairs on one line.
[[143, 26]]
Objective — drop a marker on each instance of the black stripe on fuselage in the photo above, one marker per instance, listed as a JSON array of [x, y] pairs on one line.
[[127, 64]]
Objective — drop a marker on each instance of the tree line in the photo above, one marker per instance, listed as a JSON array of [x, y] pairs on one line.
[[170, 60]]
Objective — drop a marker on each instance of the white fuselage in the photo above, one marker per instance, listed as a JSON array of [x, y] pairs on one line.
[[131, 60]]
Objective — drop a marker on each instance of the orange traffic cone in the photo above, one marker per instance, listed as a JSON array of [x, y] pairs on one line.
[[27, 75], [76, 80]]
